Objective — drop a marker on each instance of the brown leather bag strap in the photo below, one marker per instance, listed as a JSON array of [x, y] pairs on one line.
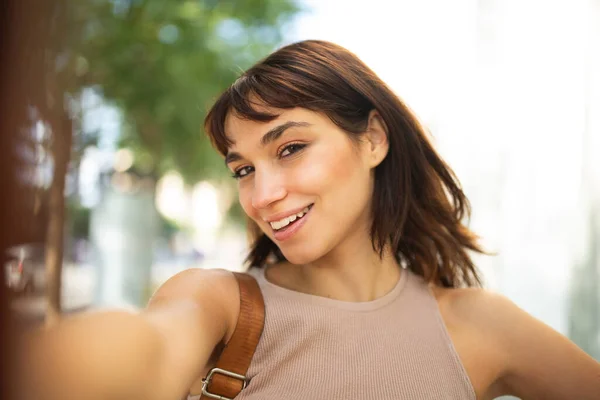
[[228, 378]]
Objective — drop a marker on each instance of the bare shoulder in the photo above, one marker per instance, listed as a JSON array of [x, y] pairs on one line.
[[468, 315], [520, 354], [475, 307], [198, 282], [214, 290]]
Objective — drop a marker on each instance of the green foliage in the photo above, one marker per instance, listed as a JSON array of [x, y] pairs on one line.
[[79, 219], [168, 227], [164, 62]]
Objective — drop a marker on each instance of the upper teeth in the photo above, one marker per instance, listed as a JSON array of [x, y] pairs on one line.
[[286, 221]]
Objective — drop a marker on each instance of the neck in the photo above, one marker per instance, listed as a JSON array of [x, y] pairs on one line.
[[353, 271]]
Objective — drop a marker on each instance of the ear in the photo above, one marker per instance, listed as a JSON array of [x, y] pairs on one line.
[[376, 136]]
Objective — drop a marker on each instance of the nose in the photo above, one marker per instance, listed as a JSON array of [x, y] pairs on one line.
[[268, 189]]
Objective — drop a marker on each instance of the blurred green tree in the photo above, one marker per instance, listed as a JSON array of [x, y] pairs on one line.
[[163, 63]]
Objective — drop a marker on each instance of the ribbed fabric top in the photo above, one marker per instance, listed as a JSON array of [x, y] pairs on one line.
[[394, 347]]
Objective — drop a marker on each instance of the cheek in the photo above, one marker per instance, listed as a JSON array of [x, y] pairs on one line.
[[327, 169]]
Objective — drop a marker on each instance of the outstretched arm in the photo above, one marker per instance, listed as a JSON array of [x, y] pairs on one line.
[[154, 354], [541, 363], [507, 351]]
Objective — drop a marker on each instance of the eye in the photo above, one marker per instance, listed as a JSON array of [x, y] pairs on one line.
[[242, 172], [291, 149]]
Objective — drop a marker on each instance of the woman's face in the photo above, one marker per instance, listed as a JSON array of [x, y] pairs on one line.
[[303, 181]]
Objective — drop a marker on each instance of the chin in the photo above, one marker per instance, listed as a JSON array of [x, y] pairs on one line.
[[301, 255], [299, 259]]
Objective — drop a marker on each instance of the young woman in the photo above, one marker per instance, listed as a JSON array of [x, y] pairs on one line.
[[361, 254]]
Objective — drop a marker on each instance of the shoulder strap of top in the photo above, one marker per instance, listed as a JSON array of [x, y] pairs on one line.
[[228, 378]]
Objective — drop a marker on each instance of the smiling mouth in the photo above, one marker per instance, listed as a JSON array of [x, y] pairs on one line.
[[286, 223]]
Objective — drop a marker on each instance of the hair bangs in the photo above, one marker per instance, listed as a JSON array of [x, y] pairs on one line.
[[255, 98]]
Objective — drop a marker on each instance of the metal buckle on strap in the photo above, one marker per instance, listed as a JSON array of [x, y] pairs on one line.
[[206, 381]]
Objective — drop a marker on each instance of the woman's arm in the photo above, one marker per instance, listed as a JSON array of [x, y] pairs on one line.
[[507, 351], [541, 363], [154, 354]]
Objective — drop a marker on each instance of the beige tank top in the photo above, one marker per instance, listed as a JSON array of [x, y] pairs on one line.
[[395, 347]]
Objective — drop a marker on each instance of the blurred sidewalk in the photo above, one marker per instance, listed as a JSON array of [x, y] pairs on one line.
[[79, 285]]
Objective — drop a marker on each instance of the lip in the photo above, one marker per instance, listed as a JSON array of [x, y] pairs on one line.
[[285, 214], [280, 236]]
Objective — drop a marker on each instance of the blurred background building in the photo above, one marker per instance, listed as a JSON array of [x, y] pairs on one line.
[[510, 90]]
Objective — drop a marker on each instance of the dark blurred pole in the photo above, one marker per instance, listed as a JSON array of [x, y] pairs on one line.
[[29, 92], [14, 217]]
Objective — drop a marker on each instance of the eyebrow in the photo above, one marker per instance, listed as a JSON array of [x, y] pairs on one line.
[[269, 137]]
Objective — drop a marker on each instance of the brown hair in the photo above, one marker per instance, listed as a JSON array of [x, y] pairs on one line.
[[418, 204]]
